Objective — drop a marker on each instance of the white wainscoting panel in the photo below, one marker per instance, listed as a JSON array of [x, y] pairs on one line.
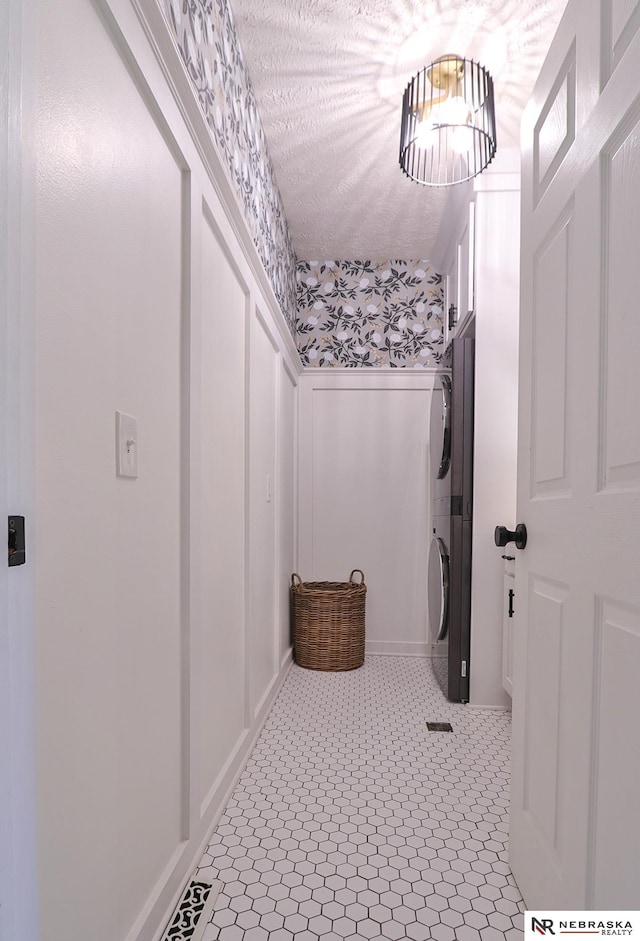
[[264, 368], [111, 244], [221, 560], [364, 495], [286, 495]]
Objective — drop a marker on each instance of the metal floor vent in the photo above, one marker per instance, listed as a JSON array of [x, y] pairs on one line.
[[193, 911], [439, 726]]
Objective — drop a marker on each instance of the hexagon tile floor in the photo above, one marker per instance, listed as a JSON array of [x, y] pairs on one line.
[[352, 820]]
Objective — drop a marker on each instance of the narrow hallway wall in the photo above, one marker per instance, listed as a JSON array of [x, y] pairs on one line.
[[154, 670]]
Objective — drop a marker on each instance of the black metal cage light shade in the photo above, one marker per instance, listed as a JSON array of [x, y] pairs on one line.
[[448, 132]]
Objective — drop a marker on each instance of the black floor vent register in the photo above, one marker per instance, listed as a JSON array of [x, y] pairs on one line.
[[193, 911], [439, 726]]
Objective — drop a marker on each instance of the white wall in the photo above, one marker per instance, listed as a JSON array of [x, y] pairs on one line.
[[496, 423], [160, 600], [364, 494]]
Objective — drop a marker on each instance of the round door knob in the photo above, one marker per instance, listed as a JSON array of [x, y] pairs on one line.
[[502, 536]]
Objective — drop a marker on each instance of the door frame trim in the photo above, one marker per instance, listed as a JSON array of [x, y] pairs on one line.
[[18, 841]]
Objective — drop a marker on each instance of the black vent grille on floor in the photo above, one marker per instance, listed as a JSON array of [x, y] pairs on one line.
[[193, 911], [439, 726]]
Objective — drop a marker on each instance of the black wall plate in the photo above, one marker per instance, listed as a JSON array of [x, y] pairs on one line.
[[17, 552]]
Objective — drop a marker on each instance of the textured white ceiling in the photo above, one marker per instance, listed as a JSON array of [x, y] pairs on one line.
[[329, 76]]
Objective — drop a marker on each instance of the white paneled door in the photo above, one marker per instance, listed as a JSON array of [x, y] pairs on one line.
[[575, 818]]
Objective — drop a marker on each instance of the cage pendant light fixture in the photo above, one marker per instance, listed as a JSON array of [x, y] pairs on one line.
[[448, 132]]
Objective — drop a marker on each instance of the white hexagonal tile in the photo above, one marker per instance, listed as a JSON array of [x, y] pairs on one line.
[[443, 933], [287, 906], [256, 934], [501, 922], [281, 934], [320, 924], [310, 908], [263, 905], [232, 933], [452, 918], [344, 926], [491, 934], [476, 920], [223, 916], [272, 921], [428, 916], [241, 903], [345, 896], [393, 930], [484, 905]]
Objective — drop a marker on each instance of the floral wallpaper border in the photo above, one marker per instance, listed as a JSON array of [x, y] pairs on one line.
[[366, 313], [207, 40]]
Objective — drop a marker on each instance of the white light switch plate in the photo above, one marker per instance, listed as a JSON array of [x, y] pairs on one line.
[[126, 445]]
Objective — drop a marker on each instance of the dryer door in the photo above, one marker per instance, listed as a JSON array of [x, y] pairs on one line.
[[438, 588], [440, 429]]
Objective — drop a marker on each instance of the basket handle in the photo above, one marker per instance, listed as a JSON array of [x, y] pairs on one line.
[[294, 583], [361, 582]]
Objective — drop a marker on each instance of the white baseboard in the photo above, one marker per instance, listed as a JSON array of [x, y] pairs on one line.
[[471, 705], [396, 649]]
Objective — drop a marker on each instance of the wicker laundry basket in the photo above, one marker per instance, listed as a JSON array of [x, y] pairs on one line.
[[328, 623]]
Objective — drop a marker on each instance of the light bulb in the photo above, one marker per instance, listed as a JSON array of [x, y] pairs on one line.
[[455, 111], [426, 134], [461, 139]]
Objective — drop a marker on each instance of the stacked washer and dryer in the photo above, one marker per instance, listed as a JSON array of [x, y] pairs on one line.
[[449, 568]]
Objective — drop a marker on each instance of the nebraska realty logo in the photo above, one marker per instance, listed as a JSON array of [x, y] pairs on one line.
[[582, 924]]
